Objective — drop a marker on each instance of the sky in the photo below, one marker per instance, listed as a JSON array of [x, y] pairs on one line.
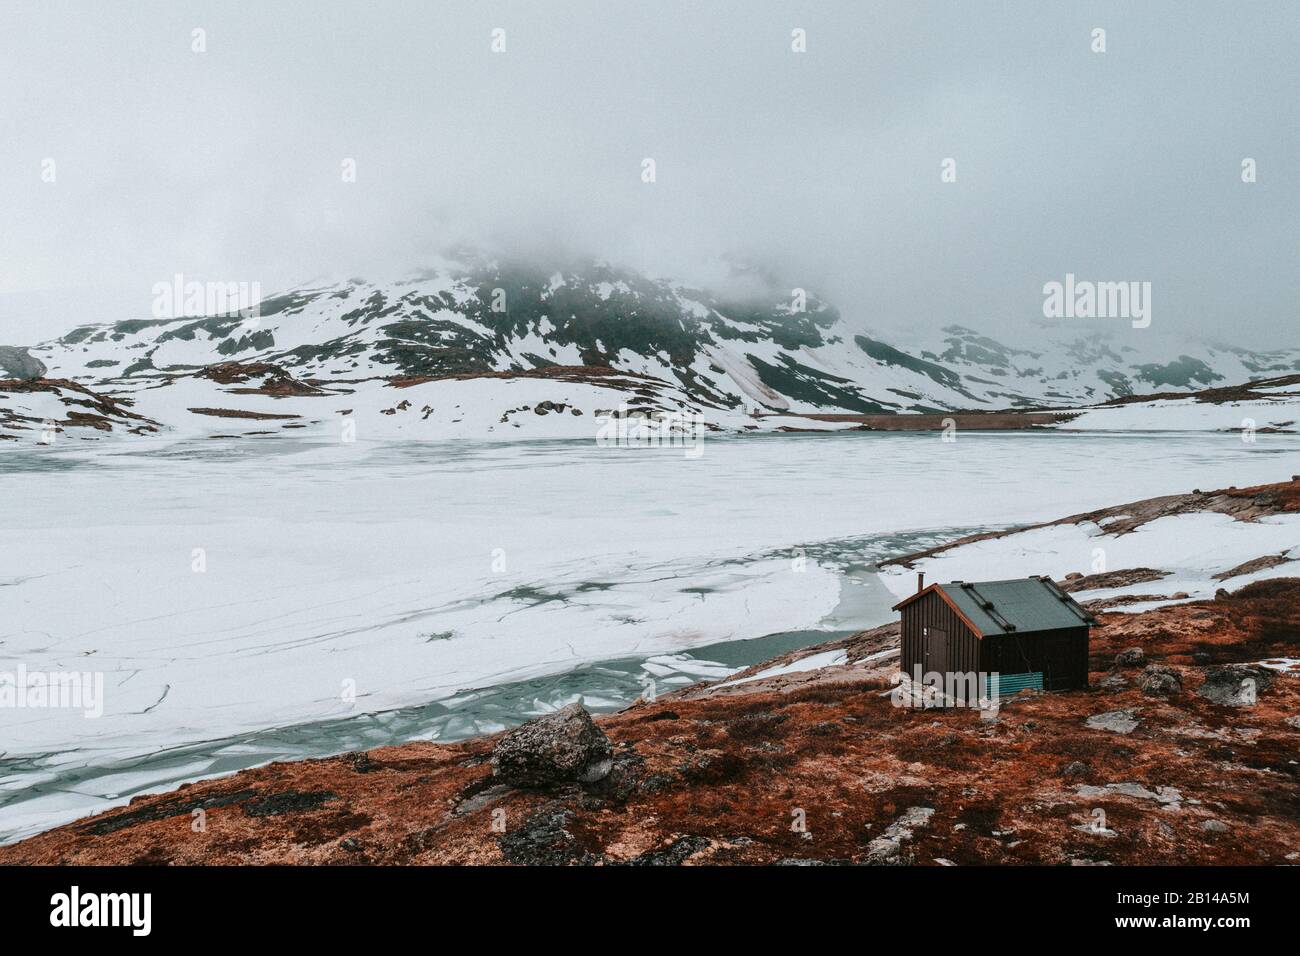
[[824, 166]]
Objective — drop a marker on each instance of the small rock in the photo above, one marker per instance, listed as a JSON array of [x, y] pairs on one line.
[[1221, 594], [1132, 657], [1160, 680], [625, 777], [361, 762], [1118, 721], [556, 748], [1235, 685], [1095, 829], [1074, 576], [1076, 768], [545, 839], [887, 847], [656, 782], [674, 854], [1293, 722], [1180, 596], [1113, 682], [1214, 826], [477, 796]]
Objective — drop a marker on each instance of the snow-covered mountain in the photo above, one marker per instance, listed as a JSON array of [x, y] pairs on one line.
[[505, 349]]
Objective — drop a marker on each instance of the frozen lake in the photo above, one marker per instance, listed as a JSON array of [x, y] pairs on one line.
[[248, 600]]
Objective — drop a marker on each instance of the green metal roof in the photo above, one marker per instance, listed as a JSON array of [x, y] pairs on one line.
[[1017, 605]]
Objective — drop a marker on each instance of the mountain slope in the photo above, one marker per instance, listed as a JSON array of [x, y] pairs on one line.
[[524, 334]]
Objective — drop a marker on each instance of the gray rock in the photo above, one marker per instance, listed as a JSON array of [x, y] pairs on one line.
[[16, 363], [546, 838], [1119, 721], [1093, 828], [563, 747], [1132, 657], [1293, 722], [674, 854], [1214, 826], [1113, 682], [1235, 685], [887, 847], [1160, 680], [1170, 797]]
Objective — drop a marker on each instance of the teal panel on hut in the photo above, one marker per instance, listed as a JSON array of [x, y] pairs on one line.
[[1012, 684]]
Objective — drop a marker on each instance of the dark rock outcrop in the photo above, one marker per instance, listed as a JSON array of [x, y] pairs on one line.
[[1131, 657], [1235, 685], [546, 838], [1160, 680], [563, 747]]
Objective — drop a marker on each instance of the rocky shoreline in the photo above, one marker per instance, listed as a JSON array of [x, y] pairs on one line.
[[1182, 750]]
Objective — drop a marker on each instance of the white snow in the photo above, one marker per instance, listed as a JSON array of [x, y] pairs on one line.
[[225, 587], [1193, 547], [1190, 415], [812, 662]]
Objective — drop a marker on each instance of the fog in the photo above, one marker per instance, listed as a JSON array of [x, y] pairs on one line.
[[822, 167]]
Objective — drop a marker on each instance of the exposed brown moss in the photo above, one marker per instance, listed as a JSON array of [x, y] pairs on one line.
[[816, 766]]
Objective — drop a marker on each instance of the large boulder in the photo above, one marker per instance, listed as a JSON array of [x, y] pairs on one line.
[[1132, 657], [563, 747], [15, 363], [1160, 680], [1235, 685]]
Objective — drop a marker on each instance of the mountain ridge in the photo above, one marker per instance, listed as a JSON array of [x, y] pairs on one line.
[[718, 357]]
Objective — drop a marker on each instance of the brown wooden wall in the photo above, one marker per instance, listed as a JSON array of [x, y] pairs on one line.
[[1061, 655], [931, 611]]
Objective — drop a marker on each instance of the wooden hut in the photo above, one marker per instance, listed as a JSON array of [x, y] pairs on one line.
[[1026, 630]]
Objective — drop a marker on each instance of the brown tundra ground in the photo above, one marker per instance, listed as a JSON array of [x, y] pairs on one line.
[[819, 766]]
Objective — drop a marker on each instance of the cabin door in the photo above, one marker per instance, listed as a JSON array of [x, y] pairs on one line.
[[936, 651]]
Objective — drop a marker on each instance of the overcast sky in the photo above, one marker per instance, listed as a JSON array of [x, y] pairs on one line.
[[825, 165]]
